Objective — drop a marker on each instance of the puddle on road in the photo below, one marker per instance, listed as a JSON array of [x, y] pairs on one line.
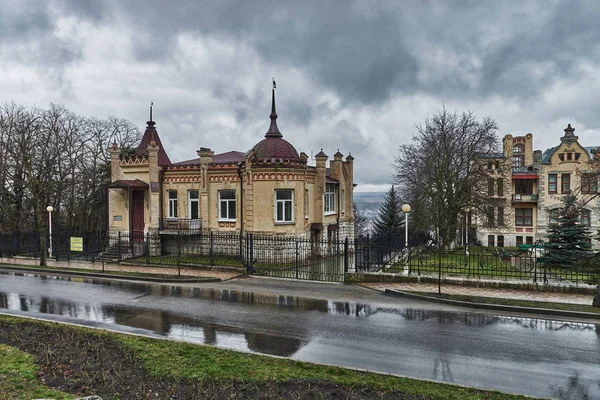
[[189, 329]]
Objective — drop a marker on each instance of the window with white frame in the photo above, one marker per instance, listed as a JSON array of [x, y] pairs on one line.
[[329, 198], [227, 205], [172, 203], [284, 206], [193, 203]]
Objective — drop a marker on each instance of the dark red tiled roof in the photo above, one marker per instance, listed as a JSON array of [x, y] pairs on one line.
[[230, 157], [321, 154], [149, 135], [128, 183], [275, 148]]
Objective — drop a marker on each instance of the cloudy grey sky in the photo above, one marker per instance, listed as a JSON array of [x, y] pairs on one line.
[[351, 75]]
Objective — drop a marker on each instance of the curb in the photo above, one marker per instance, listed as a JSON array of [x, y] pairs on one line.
[[496, 307], [107, 276]]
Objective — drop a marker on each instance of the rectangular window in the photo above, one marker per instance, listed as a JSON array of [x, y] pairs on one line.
[[490, 216], [193, 204], [552, 181], [227, 211], [500, 183], [497, 165], [524, 216], [284, 206], [518, 161], [501, 216], [172, 203], [519, 240], [565, 183], [306, 209], [529, 240], [586, 217], [489, 165], [329, 198], [490, 187], [490, 240], [589, 183], [500, 240]]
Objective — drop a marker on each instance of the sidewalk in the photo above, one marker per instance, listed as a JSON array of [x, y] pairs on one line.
[[97, 267], [551, 297]]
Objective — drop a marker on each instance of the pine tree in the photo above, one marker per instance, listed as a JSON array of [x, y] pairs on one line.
[[568, 240], [389, 217]]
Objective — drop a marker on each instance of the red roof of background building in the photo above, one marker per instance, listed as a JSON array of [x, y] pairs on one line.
[[149, 135]]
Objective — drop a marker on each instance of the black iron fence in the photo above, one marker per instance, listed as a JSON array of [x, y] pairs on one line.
[[286, 257], [301, 257], [475, 262]]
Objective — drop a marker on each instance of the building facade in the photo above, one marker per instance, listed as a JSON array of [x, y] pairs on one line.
[[527, 187], [270, 189]]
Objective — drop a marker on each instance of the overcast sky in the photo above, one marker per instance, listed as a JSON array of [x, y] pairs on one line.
[[351, 75]]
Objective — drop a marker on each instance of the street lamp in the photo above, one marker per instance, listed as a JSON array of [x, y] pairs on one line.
[[406, 210], [50, 209]]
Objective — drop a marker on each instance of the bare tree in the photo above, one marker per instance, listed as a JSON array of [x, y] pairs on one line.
[[55, 157], [441, 174]]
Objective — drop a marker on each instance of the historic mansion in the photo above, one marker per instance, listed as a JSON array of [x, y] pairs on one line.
[[527, 187], [269, 189]]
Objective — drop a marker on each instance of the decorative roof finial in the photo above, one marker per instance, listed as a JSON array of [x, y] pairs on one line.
[[151, 123], [273, 131]]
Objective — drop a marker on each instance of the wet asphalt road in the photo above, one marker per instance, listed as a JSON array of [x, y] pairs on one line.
[[347, 326]]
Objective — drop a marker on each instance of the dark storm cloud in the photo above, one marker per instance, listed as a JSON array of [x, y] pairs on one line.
[[367, 52]]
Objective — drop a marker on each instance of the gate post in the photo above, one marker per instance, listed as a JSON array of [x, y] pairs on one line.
[[178, 253], [211, 248], [346, 266], [297, 258], [147, 248], [251, 261], [119, 248]]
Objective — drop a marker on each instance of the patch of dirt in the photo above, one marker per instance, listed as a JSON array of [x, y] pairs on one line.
[[90, 363]]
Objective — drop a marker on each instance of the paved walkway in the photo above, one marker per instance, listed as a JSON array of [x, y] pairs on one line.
[[552, 297], [97, 267]]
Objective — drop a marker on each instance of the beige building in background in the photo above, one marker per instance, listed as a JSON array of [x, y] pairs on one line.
[[270, 189], [528, 187]]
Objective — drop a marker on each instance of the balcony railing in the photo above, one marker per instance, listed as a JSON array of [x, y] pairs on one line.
[[176, 224], [525, 198]]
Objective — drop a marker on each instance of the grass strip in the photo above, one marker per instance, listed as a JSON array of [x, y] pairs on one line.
[[163, 360], [512, 302], [19, 377]]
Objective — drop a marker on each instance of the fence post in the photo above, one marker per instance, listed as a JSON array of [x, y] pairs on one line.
[[119, 247], [346, 266], [147, 248], [178, 253], [251, 261], [440, 271], [211, 247], [297, 258]]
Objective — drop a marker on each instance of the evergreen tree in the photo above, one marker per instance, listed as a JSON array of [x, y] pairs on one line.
[[568, 240], [389, 217]]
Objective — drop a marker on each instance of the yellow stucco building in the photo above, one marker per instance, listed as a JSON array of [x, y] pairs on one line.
[[270, 189], [528, 187]]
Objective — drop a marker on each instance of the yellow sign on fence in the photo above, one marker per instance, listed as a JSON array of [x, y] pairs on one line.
[[76, 244]]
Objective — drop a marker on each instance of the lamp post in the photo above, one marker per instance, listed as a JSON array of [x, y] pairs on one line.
[[50, 209], [406, 210]]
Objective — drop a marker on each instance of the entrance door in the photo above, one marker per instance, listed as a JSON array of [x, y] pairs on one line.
[[138, 215], [193, 211]]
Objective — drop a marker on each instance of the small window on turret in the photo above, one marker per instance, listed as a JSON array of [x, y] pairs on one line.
[[577, 155], [561, 157]]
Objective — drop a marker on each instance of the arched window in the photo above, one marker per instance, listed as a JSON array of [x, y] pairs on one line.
[[518, 148]]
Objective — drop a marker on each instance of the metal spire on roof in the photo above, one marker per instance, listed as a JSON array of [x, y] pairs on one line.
[[151, 123], [273, 131]]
